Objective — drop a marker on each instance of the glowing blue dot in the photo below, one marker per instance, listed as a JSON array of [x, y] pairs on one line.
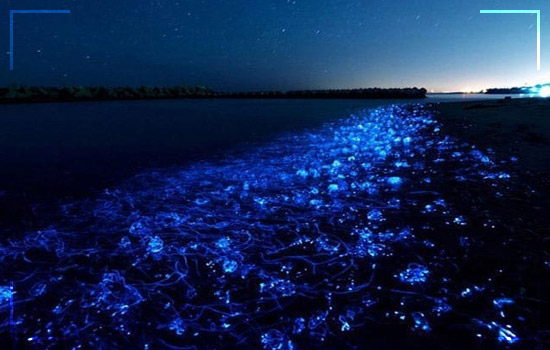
[[5, 293], [317, 320], [441, 307], [345, 324], [420, 322], [155, 245], [276, 340], [230, 266], [501, 302], [375, 215], [278, 286], [223, 243], [459, 220], [302, 173], [368, 300], [138, 228], [125, 242], [316, 202], [178, 326], [395, 180], [345, 327], [201, 201], [299, 325], [414, 274]]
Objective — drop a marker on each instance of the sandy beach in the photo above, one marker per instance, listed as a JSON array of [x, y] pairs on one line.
[[518, 127]]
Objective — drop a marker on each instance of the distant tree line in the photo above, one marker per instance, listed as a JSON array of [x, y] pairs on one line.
[[17, 93], [370, 93], [507, 91]]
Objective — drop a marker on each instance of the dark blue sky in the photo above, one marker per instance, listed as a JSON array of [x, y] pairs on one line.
[[276, 44]]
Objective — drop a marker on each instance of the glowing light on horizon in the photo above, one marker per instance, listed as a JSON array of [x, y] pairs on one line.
[[541, 91], [545, 91]]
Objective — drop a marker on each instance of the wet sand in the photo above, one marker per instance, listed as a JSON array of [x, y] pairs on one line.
[[512, 128], [519, 127]]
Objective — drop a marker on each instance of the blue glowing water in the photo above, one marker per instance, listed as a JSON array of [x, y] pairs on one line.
[[286, 246]]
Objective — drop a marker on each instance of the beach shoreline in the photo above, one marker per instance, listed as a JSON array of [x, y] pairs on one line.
[[519, 127]]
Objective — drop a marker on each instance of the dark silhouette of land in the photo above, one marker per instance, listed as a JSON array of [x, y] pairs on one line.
[[504, 91], [26, 94], [516, 90]]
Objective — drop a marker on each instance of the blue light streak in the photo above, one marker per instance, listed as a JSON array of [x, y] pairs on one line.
[[263, 238], [12, 323]]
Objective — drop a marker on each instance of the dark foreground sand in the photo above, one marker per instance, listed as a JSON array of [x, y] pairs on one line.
[[519, 127]]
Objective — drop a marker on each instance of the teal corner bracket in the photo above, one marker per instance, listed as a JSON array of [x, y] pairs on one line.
[[532, 12]]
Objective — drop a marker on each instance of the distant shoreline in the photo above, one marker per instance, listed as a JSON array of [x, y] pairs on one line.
[[33, 94]]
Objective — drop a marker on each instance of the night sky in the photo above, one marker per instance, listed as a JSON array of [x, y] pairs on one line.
[[276, 44]]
